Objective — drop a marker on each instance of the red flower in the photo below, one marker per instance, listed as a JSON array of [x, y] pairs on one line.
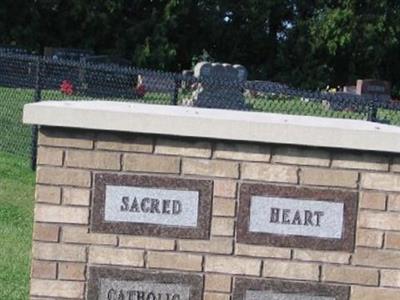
[[67, 87], [140, 90]]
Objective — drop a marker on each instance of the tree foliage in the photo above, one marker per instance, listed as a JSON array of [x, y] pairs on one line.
[[308, 43]]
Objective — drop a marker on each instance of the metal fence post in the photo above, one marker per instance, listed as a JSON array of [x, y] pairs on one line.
[[373, 109], [36, 98], [176, 91]]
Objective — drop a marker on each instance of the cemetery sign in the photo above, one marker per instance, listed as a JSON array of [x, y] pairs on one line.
[[297, 217], [150, 205]]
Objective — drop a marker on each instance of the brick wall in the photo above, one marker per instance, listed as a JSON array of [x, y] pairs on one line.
[[63, 248]]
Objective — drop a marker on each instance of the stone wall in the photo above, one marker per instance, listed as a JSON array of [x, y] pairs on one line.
[[64, 248]]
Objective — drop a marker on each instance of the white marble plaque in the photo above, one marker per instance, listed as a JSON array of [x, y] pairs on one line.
[[151, 206], [289, 216], [269, 295], [146, 290]]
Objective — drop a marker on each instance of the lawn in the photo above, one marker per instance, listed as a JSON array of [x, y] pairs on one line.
[[16, 207]]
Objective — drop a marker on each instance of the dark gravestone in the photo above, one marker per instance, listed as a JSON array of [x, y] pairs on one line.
[[219, 86], [373, 89]]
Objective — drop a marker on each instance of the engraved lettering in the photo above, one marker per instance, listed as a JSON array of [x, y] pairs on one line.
[[285, 214], [121, 296], [154, 206], [111, 294], [274, 215], [319, 214], [176, 207], [135, 206], [308, 218], [297, 218], [125, 204], [166, 204], [143, 206]]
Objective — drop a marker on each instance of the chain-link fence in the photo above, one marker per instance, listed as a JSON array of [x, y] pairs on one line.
[[26, 78]]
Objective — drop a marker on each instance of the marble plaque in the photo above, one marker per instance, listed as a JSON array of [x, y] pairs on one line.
[[268, 295], [266, 289], [151, 205], [287, 216], [115, 284]]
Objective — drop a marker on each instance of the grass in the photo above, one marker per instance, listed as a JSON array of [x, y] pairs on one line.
[[16, 210]]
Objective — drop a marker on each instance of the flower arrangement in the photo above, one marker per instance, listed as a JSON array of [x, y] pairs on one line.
[[66, 87]]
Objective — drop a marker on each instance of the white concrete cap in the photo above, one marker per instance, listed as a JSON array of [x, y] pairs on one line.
[[215, 124]]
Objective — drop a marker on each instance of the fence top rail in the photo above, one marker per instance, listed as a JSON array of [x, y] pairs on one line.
[[216, 124]]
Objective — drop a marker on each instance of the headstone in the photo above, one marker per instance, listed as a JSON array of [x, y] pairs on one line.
[[152, 206], [265, 289], [219, 86], [117, 284], [187, 79], [379, 89], [157, 83], [297, 217]]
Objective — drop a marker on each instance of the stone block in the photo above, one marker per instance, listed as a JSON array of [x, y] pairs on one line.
[[62, 176], [214, 168], [301, 156], [362, 161], [151, 163], [379, 220], [50, 156], [268, 172], [61, 214], [225, 188], [99, 160], [233, 265], [174, 261], [43, 269], [224, 207], [373, 200], [218, 283], [376, 258], [57, 288], [349, 274], [126, 142], [116, 256], [262, 251], [183, 148], [46, 232], [71, 271], [48, 194], [80, 235], [322, 256], [73, 196], [369, 238], [65, 138], [370, 293], [327, 177], [217, 245], [380, 181], [146, 242], [60, 252], [291, 270], [222, 226], [239, 151]]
